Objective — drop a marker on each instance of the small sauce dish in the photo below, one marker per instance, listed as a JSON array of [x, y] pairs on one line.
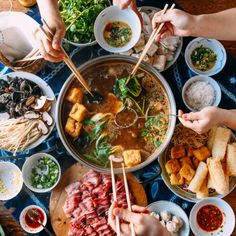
[[212, 216], [117, 30], [210, 47], [201, 91], [30, 226]]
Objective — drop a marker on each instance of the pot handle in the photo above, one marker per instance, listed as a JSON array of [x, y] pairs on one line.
[[148, 173]]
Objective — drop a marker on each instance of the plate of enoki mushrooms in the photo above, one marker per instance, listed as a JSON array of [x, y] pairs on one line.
[[27, 111]]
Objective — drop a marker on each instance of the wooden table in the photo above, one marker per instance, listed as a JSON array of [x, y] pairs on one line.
[[194, 7]]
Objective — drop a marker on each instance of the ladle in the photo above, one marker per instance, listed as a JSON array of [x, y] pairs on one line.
[[128, 117]]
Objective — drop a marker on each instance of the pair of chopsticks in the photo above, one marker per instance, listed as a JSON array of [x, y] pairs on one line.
[[67, 60], [115, 196], [155, 32]]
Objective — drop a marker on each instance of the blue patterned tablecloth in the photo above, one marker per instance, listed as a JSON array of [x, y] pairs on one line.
[[56, 74]]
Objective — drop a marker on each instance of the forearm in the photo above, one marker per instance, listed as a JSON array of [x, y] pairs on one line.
[[48, 8], [219, 25], [227, 118]]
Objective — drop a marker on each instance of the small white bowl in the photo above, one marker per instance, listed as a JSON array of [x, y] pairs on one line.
[[11, 178], [114, 13], [228, 218], [213, 83], [174, 209], [25, 226], [32, 162], [215, 46]]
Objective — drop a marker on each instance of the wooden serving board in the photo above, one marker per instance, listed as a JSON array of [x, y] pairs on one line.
[[59, 221]]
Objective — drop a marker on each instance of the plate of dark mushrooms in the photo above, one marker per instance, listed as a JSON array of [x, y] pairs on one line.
[[27, 111]]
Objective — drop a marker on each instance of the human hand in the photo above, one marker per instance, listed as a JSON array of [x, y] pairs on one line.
[[177, 22], [51, 50], [203, 120], [144, 224]]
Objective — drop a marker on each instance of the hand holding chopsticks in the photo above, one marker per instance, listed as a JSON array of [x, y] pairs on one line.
[[155, 32], [67, 59]]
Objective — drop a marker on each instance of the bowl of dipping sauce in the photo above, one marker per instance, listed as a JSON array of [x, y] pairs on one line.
[[41, 172], [117, 30], [212, 216], [201, 91], [205, 56], [29, 225]]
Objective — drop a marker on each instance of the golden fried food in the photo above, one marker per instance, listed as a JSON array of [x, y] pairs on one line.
[[176, 179], [187, 172], [73, 127], [186, 160], [78, 112], [202, 153], [195, 162], [189, 151], [231, 159], [75, 95], [132, 157], [177, 151], [172, 166]]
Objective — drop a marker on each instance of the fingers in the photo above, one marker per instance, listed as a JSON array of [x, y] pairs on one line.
[[57, 39], [139, 209], [122, 3], [192, 116], [158, 18]]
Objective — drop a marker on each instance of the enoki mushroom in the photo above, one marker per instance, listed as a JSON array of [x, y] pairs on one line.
[[17, 134]]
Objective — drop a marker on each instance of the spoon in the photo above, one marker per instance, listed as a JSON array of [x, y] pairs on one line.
[[35, 216], [128, 116]]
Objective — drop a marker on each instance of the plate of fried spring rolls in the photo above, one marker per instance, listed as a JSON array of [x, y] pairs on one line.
[[208, 170]]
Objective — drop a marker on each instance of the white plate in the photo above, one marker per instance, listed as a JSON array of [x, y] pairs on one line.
[[174, 209], [228, 218], [32, 162], [215, 46], [25, 226], [47, 91], [11, 178], [114, 13], [17, 32]]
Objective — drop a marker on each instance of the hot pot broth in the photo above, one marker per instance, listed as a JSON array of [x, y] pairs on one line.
[[100, 136]]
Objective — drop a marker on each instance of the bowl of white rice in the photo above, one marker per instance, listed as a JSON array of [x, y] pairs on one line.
[[201, 91]]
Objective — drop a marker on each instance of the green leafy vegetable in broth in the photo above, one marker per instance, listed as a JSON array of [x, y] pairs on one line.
[[79, 17]]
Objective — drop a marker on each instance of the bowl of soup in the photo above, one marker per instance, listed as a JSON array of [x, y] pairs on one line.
[[87, 125], [117, 30], [205, 56]]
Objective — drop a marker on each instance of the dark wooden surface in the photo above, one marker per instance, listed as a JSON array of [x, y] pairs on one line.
[[11, 226]]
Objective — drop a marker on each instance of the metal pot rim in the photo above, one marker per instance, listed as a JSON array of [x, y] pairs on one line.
[[113, 58]]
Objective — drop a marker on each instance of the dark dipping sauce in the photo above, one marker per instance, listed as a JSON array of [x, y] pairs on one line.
[[34, 224], [209, 218]]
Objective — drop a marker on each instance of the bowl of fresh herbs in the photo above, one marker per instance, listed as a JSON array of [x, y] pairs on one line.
[[79, 17], [41, 172]]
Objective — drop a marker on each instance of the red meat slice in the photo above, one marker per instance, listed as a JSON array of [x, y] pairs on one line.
[[92, 177], [103, 205], [71, 204], [87, 205], [73, 189], [106, 179]]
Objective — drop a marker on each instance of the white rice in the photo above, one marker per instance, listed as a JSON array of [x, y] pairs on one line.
[[200, 94]]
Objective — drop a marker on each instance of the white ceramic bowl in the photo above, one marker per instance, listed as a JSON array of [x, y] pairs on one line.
[[228, 218], [215, 46], [32, 162], [11, 178], [25, 226], [213, 83], [47, 91], [114, 13], [174, 209]]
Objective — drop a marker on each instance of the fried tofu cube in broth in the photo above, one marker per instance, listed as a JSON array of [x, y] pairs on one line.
[[177, 151], [172, 166], [187, 172], [201, 153], [75, 95], [73, 127], [186, 160], [132, 157], [78, 112], [176, 179]]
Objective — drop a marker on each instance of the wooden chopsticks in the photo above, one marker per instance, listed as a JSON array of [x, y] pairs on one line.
[[114, 195], [152, 37], [67, 60], [128, 198]]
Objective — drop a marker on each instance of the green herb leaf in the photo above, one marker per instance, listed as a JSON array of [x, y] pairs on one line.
[[144, 133], [89, 122]]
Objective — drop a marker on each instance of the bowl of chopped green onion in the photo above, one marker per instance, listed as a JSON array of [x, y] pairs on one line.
[[205, 56], [79, 17], [41, 172]]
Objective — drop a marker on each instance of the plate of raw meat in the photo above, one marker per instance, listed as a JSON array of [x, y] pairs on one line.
[[80, 202]]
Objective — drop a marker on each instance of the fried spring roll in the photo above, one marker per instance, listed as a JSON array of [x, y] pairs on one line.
[[203, 192], [231, 160]]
